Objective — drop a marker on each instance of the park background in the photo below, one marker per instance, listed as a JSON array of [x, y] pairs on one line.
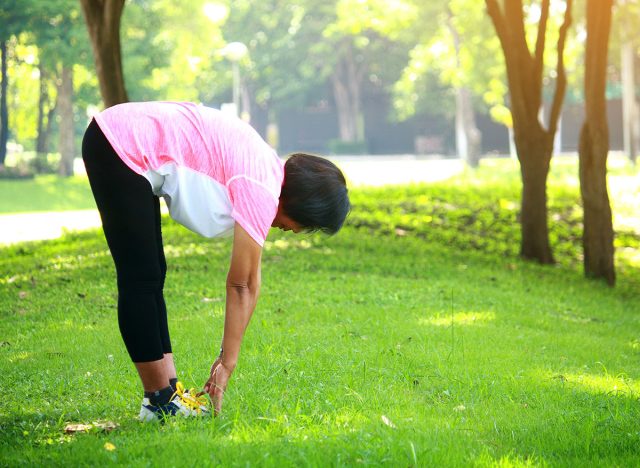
[[363, 77], [480, 307]]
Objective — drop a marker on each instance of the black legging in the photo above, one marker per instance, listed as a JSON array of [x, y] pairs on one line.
[[130, 215]]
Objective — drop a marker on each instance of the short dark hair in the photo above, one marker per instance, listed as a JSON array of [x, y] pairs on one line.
[[314, 193]]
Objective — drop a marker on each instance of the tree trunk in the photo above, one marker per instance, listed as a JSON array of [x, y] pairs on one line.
[[354, 83], [346, 80], [4, 113], [103, 24], [629, 104], [597, 238], [346, 123], [245, 102], [43, 99], [260, 118], [65, 106], [468, 137], [47, 131], [535, 157]]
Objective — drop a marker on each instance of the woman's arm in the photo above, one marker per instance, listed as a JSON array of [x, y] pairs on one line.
[[243, 287]]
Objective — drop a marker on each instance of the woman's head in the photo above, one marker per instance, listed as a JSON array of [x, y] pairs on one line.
[[314, 193]]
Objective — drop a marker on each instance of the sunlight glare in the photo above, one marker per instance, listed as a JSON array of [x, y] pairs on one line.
[[438, 48], [216, 12], [461, 318], [598, 384]]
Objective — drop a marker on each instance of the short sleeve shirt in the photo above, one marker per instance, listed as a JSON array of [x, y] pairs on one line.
[[213, 169]]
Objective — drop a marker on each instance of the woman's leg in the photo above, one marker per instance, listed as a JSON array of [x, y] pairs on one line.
[[128, 210], [162, 308]]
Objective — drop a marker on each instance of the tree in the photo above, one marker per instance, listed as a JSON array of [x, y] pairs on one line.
[[346, 81], [4, 114], [57, 29], [277, 35], [357, 27], [455, 42], [534, 142], [627, 16], [13, 16], [149, 48], [594, 146], [468, 137], [46, 110], [48, 37], [103, 23], [65, 108], [300, 50]]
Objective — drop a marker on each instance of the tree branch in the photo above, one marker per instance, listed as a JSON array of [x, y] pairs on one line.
[[561, 80], [509, 25], [538, 66], [515, 17], [493, 9]]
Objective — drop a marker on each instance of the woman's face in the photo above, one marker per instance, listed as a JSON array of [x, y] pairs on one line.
[[282, 221]]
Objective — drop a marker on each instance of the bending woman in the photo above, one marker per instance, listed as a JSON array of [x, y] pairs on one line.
[[218, 178]]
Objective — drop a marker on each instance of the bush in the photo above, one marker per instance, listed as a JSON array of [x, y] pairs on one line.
[[337, 146], [483, 218], [30, 163], [15, 173]]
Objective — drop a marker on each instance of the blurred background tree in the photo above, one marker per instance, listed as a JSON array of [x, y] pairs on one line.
[[625, 43], [14, 17], [340, 76], [337, 76]]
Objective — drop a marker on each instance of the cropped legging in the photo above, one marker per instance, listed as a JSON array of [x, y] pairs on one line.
[[130, 215]]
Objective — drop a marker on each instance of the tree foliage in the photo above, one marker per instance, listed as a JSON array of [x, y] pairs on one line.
[[432, 65]]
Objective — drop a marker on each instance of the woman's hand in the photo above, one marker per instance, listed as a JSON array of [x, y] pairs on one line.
[[217, 383]]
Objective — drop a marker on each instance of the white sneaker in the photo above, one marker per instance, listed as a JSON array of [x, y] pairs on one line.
[[185, 403]]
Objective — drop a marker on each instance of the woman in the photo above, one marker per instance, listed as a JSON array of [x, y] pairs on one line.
[[218, 178]]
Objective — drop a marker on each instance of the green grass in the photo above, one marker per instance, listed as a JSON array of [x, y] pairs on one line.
[[395, 343], [45, 193]]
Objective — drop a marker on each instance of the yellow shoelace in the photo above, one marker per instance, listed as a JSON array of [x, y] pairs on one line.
[[190, 398]]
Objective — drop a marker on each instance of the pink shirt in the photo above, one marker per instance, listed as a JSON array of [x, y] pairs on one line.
[[212, 169]]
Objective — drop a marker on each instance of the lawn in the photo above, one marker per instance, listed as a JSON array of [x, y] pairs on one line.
[[415, 337], [45, 193]]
